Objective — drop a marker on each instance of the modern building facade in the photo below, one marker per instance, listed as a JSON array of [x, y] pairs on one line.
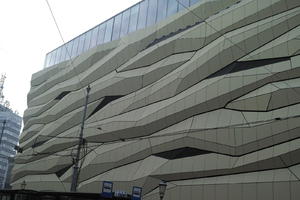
[[206, 98], [10, 126]]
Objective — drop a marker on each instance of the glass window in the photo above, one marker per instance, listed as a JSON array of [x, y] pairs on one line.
[[109, 26], [183, 4], [87, 40], [101, 33], [63, 53], [57, 55], [52, 57], [172, 7], [117, 27], [94, 37], [81, 44], [162, 10], [47, 60], [134, 12], [152, 10], [125, 22], [142, 14], [75, 47], [192, 2], [69, 50]]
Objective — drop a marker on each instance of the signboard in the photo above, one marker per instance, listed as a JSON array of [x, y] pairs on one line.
[[107, 189], [136, 193]]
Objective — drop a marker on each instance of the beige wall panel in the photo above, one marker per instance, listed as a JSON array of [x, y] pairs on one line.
[[198, 89]]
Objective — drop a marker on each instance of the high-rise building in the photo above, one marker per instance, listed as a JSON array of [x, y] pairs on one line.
[[203, 95], [10, 125]]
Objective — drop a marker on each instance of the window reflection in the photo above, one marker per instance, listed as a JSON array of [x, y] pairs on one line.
[[162, 9], [47, 60], [117, 27], [75, 47], [81, 44], [69, 50], [183, 4], [134, 12], [62, 54], [57, 55], [192, 2], [101, 33], [142, 14], [109, 26], [152, 10], [87, 41], [94, 37], [53, 55], [125, 22], [172, 7]]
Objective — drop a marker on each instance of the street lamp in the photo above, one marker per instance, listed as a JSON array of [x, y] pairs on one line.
[[23, 185], [162, 189]]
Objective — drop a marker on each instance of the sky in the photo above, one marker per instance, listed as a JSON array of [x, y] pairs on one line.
[[28, 32]]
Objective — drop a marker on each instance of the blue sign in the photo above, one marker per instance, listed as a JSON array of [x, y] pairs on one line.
[[107, 189], [136, 193]]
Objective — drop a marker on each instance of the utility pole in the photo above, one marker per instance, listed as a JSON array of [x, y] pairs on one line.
[[80, 143]]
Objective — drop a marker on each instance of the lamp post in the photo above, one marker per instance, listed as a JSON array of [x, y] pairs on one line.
[[23, 185], [80, 143], [162, 189]]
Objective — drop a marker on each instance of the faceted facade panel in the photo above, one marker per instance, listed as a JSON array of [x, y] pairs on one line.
[[206, 99]]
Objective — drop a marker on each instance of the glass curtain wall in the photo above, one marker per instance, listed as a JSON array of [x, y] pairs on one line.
[[140, 15]]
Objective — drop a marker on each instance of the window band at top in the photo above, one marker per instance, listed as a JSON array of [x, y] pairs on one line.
[[138, 16]]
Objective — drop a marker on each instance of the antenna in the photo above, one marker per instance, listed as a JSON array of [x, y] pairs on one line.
[[1, 88], [2, 102]]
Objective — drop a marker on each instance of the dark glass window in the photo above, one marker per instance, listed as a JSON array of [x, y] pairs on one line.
[[152, 11], [172, 7], [101, 33], [142, 14], [125, 22], [94, 37], [162, 10], [81, 44], [134, 12], [75, 47], [109, 26], [117, 27], [183, 4]]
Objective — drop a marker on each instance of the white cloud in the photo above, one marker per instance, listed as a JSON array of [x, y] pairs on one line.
[[28, 33]]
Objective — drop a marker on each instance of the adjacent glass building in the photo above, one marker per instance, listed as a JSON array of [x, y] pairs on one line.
[[10, 126]]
